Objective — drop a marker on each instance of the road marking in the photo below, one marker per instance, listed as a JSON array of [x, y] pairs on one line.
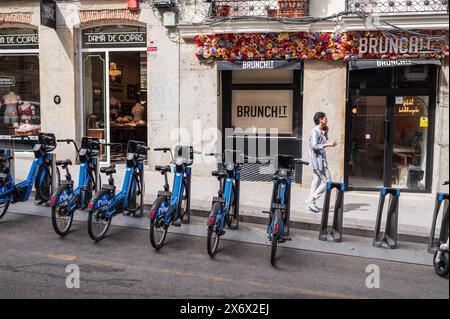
[[261, 285], [62, 257]]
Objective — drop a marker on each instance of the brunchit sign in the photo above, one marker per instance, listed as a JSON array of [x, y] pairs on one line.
[[323, 45]]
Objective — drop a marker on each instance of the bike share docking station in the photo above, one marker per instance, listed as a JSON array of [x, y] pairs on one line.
[[388, 239], [434, 243], [335, 234]]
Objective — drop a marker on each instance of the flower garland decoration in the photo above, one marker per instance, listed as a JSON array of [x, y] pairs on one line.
[[308, 45]]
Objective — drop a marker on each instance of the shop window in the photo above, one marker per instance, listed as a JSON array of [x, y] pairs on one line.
[[414, 77], [19, 93], [371, 79]]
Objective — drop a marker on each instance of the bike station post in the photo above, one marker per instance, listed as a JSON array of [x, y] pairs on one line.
[[389, 239], [434, 244], [336, 230]]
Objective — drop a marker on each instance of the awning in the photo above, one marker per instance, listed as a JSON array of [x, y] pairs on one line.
[[378, 64], [259, 65]]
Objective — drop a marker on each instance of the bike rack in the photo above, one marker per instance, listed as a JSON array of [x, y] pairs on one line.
[[434, 244], [335, 234], [12, 166], [189, 171], [389, 238], [37, 199]]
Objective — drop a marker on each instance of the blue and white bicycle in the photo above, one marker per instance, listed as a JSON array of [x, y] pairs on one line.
[[106, 203], [225, 206], [40, 175], [169, 207], [65, 199]]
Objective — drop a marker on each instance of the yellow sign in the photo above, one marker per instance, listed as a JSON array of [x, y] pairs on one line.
[[424, 121]]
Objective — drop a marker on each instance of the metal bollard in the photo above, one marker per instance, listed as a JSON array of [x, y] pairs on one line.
[[389, 238], [336, 230], [434, 244]]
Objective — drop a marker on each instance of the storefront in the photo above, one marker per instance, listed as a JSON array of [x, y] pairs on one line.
[[262, 105], [114, 86], [384, 121], [390, 124], [19, 84]]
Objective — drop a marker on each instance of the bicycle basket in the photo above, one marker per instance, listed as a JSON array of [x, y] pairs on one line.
[[184, 154], [48, 140]]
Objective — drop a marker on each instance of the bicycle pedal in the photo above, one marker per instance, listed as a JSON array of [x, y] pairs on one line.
[[288, 238], [176, 224], [221, 233]]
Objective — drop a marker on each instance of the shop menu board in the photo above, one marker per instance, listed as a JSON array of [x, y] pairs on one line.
[[255, 109]]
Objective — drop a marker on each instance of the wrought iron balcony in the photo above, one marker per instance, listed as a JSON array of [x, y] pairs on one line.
[[259, 8], [398, 6]]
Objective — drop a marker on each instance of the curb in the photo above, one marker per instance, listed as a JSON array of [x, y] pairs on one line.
[[313, 226]]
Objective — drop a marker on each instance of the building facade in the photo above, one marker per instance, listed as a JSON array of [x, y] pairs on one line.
[[221, 72]]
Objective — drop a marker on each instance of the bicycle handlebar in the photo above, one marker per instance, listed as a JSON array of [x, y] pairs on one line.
[[68, 141], [446, 183]]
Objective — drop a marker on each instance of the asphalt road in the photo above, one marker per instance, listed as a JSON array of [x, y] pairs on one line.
[[33, 261]]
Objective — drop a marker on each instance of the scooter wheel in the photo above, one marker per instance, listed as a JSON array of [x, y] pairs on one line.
[[441, 267]]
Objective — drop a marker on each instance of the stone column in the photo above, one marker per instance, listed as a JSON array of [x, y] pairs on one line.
[[325, 90]]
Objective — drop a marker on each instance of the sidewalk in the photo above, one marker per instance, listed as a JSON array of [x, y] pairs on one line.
[[360, 208]]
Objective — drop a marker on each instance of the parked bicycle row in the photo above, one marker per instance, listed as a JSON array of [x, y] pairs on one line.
[[172, 205]]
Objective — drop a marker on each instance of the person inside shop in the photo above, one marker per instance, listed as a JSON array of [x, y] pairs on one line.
[[318, 144]]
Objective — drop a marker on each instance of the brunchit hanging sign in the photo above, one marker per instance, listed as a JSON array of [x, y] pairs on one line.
[[323, 45]]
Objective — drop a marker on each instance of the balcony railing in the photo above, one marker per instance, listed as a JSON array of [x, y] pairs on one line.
[[398, 6], [259, 8]]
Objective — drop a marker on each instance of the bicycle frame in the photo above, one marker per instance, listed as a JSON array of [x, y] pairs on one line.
[[115, 205], [173, 204], [10, 193], [65, 194], [280, 200], [227, 189]]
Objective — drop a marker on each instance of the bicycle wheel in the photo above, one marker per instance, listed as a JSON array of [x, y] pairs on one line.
[[44, 190], [233, 214], [441, 267], [273, 251], [3, 209], [213, 238], [98, 226], [61, 221], [158, 230]]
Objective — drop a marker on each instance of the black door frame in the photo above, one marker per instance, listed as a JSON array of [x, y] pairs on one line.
[[390, 94], [297, 112]]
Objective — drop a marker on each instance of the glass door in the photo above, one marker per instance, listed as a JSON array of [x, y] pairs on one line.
[[368, 128], [409, 147], [95, 91]]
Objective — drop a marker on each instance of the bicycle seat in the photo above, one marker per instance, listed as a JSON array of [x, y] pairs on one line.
[[163, 168], [108, 170], [64, 163], [219, 174]]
